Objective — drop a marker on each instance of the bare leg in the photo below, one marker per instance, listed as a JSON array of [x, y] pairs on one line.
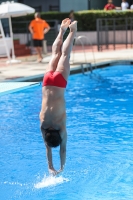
[[39, 52], [56, 48], [63, 65]]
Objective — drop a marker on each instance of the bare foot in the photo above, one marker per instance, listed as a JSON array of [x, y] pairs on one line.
[[65, 23], [38, 60], [73, 26]]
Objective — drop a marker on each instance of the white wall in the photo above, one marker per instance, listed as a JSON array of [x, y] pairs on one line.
[[120, 37], [3, 48], [76, 5], [91, 37]]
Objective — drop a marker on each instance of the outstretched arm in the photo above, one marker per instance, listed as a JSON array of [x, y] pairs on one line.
[[63, 151], [48, 154], [50, 162], [62, 156]]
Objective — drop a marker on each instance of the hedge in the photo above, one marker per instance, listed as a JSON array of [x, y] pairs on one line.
[[86, 19]]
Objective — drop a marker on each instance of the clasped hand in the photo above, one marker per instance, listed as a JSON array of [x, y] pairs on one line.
[[55, 172]]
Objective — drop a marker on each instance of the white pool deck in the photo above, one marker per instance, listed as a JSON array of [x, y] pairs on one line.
[[29, 68], [10, 87]]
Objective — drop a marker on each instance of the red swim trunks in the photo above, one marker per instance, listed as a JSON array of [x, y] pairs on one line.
[[54, 78]]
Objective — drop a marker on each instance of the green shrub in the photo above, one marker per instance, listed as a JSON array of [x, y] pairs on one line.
[[86, 19]]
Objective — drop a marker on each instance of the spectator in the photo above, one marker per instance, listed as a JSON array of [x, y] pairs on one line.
[[38, 29], [71, 15], [109, 5], [124, 5], [131, 7]]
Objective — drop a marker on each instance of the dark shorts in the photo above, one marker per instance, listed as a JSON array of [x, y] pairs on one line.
[[37, 43]]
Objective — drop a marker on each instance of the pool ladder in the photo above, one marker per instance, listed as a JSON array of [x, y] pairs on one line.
[[84, 40]]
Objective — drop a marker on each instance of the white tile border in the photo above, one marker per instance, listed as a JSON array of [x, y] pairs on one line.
[[10, 87]]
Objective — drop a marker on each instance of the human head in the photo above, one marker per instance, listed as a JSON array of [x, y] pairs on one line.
[[37, 15], [110, 1], [71, 13], [52, 138]]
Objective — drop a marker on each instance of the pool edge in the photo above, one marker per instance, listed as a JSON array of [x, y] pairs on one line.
[[75, 70]]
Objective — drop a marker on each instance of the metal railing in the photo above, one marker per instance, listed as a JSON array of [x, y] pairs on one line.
[[114, 31]]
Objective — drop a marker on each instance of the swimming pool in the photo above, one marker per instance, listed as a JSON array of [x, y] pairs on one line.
[[100, 141]]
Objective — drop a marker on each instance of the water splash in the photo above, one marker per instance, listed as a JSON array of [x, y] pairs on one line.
[[12, 183], [48, 181]]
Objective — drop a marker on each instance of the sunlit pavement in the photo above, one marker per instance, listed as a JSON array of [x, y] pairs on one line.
[[29, 67]]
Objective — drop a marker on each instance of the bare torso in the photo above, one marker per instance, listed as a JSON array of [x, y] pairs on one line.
[[53, 109]]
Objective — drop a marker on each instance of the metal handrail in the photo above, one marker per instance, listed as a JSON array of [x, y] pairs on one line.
[[79, 38], [104, 26]]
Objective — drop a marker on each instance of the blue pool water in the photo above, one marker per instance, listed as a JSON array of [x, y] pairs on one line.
[[100, 141]]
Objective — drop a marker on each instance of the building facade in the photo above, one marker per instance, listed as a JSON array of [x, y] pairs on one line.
[[66, 6]]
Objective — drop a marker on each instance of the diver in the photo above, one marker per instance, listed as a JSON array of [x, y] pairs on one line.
[[53, 110]]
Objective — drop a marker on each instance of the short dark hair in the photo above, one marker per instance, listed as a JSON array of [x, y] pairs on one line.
[[37, 14], [52, 138], [71, 11]]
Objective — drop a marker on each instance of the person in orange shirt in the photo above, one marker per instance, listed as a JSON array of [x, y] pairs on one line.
[[38, 28]]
